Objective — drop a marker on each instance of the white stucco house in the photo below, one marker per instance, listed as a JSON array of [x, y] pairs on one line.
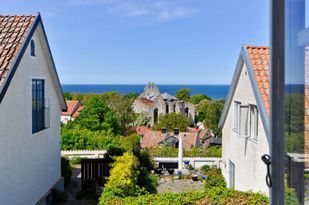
[[31, 102], [244, 122]]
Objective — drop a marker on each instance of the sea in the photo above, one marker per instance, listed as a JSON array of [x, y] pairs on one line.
[[214, 91]]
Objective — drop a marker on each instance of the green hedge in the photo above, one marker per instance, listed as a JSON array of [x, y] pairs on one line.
[[168, 151], [214, 196], [214, 178]]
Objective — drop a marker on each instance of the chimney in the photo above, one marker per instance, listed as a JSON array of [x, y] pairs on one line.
[[176, 131], [163, 130]]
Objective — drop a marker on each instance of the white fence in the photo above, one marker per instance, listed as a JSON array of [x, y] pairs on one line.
[[196, 162], [83, 153]]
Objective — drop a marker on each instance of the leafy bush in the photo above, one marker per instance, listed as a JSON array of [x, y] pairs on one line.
[[79, 139], [215, 196], [97, 116], [122, 180], [205, 168], [76, 160], [214, 178], [66, 170], [171, 121], [290, 197], [169, 151], [214, 152]]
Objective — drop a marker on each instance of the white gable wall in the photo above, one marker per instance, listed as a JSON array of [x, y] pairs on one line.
[[246, 154], [30, 163]]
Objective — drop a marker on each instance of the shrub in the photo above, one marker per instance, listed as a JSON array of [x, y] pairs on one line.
[[214, 152], [169, 151], [171, 121], [214, 178], [76, 160], [205, 168], [215, 196], [122, 180], [66, 170], [290, 197]]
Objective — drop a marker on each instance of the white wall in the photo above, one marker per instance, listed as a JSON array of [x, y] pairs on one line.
[[29, 163], [246, 154]]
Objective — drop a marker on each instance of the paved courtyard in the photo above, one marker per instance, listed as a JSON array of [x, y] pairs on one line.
[[168, 184]]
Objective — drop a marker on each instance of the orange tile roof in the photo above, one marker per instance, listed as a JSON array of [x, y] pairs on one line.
[[141, 130], [259, 57], [74, 108], [153, 138], [13, 31], [145, 101]]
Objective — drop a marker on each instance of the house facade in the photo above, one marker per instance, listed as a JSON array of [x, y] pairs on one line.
[[74, 108], [154, 103], [31, 102], [244, 122]]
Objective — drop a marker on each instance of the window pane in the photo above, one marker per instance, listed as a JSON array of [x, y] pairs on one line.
[[296, 105], [244, 121], [38, 112]]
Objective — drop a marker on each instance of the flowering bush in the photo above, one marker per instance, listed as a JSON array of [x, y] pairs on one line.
[[122, 180]]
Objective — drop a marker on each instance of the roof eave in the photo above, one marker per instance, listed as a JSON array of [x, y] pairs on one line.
[[244, 58]]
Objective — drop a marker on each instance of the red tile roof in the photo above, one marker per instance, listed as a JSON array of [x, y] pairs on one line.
[[74, 108], [13, 31], [141, 130], [259, 57], [153, 138], [145, 101]]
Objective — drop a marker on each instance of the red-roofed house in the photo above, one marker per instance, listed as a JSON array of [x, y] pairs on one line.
[[244, 122], [156, 138], [31, 101], [74, 108]]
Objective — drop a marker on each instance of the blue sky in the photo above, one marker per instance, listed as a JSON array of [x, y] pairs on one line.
[[137, 41]]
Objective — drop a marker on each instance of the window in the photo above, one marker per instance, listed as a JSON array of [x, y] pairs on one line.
[[32, 48], [236, 114], [253, 122], [38, 106], [248, 121]]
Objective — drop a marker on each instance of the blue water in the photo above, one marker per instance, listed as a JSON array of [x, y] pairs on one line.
[[214, 91]]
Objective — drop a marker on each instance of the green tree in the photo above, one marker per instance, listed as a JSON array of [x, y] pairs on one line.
[[209, 112], [196, 99], [142, 119], [97, 116], [171, 121], [67, 96], [122, 106], [183, 94]]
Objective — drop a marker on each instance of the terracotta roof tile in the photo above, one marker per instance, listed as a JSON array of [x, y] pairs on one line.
[[259, 58], [153, 138], [141, 130], [13, 31], [145, 101], [74, 108]]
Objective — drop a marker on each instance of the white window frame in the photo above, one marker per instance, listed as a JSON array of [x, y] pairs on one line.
[[236, 115], [251, 125]]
